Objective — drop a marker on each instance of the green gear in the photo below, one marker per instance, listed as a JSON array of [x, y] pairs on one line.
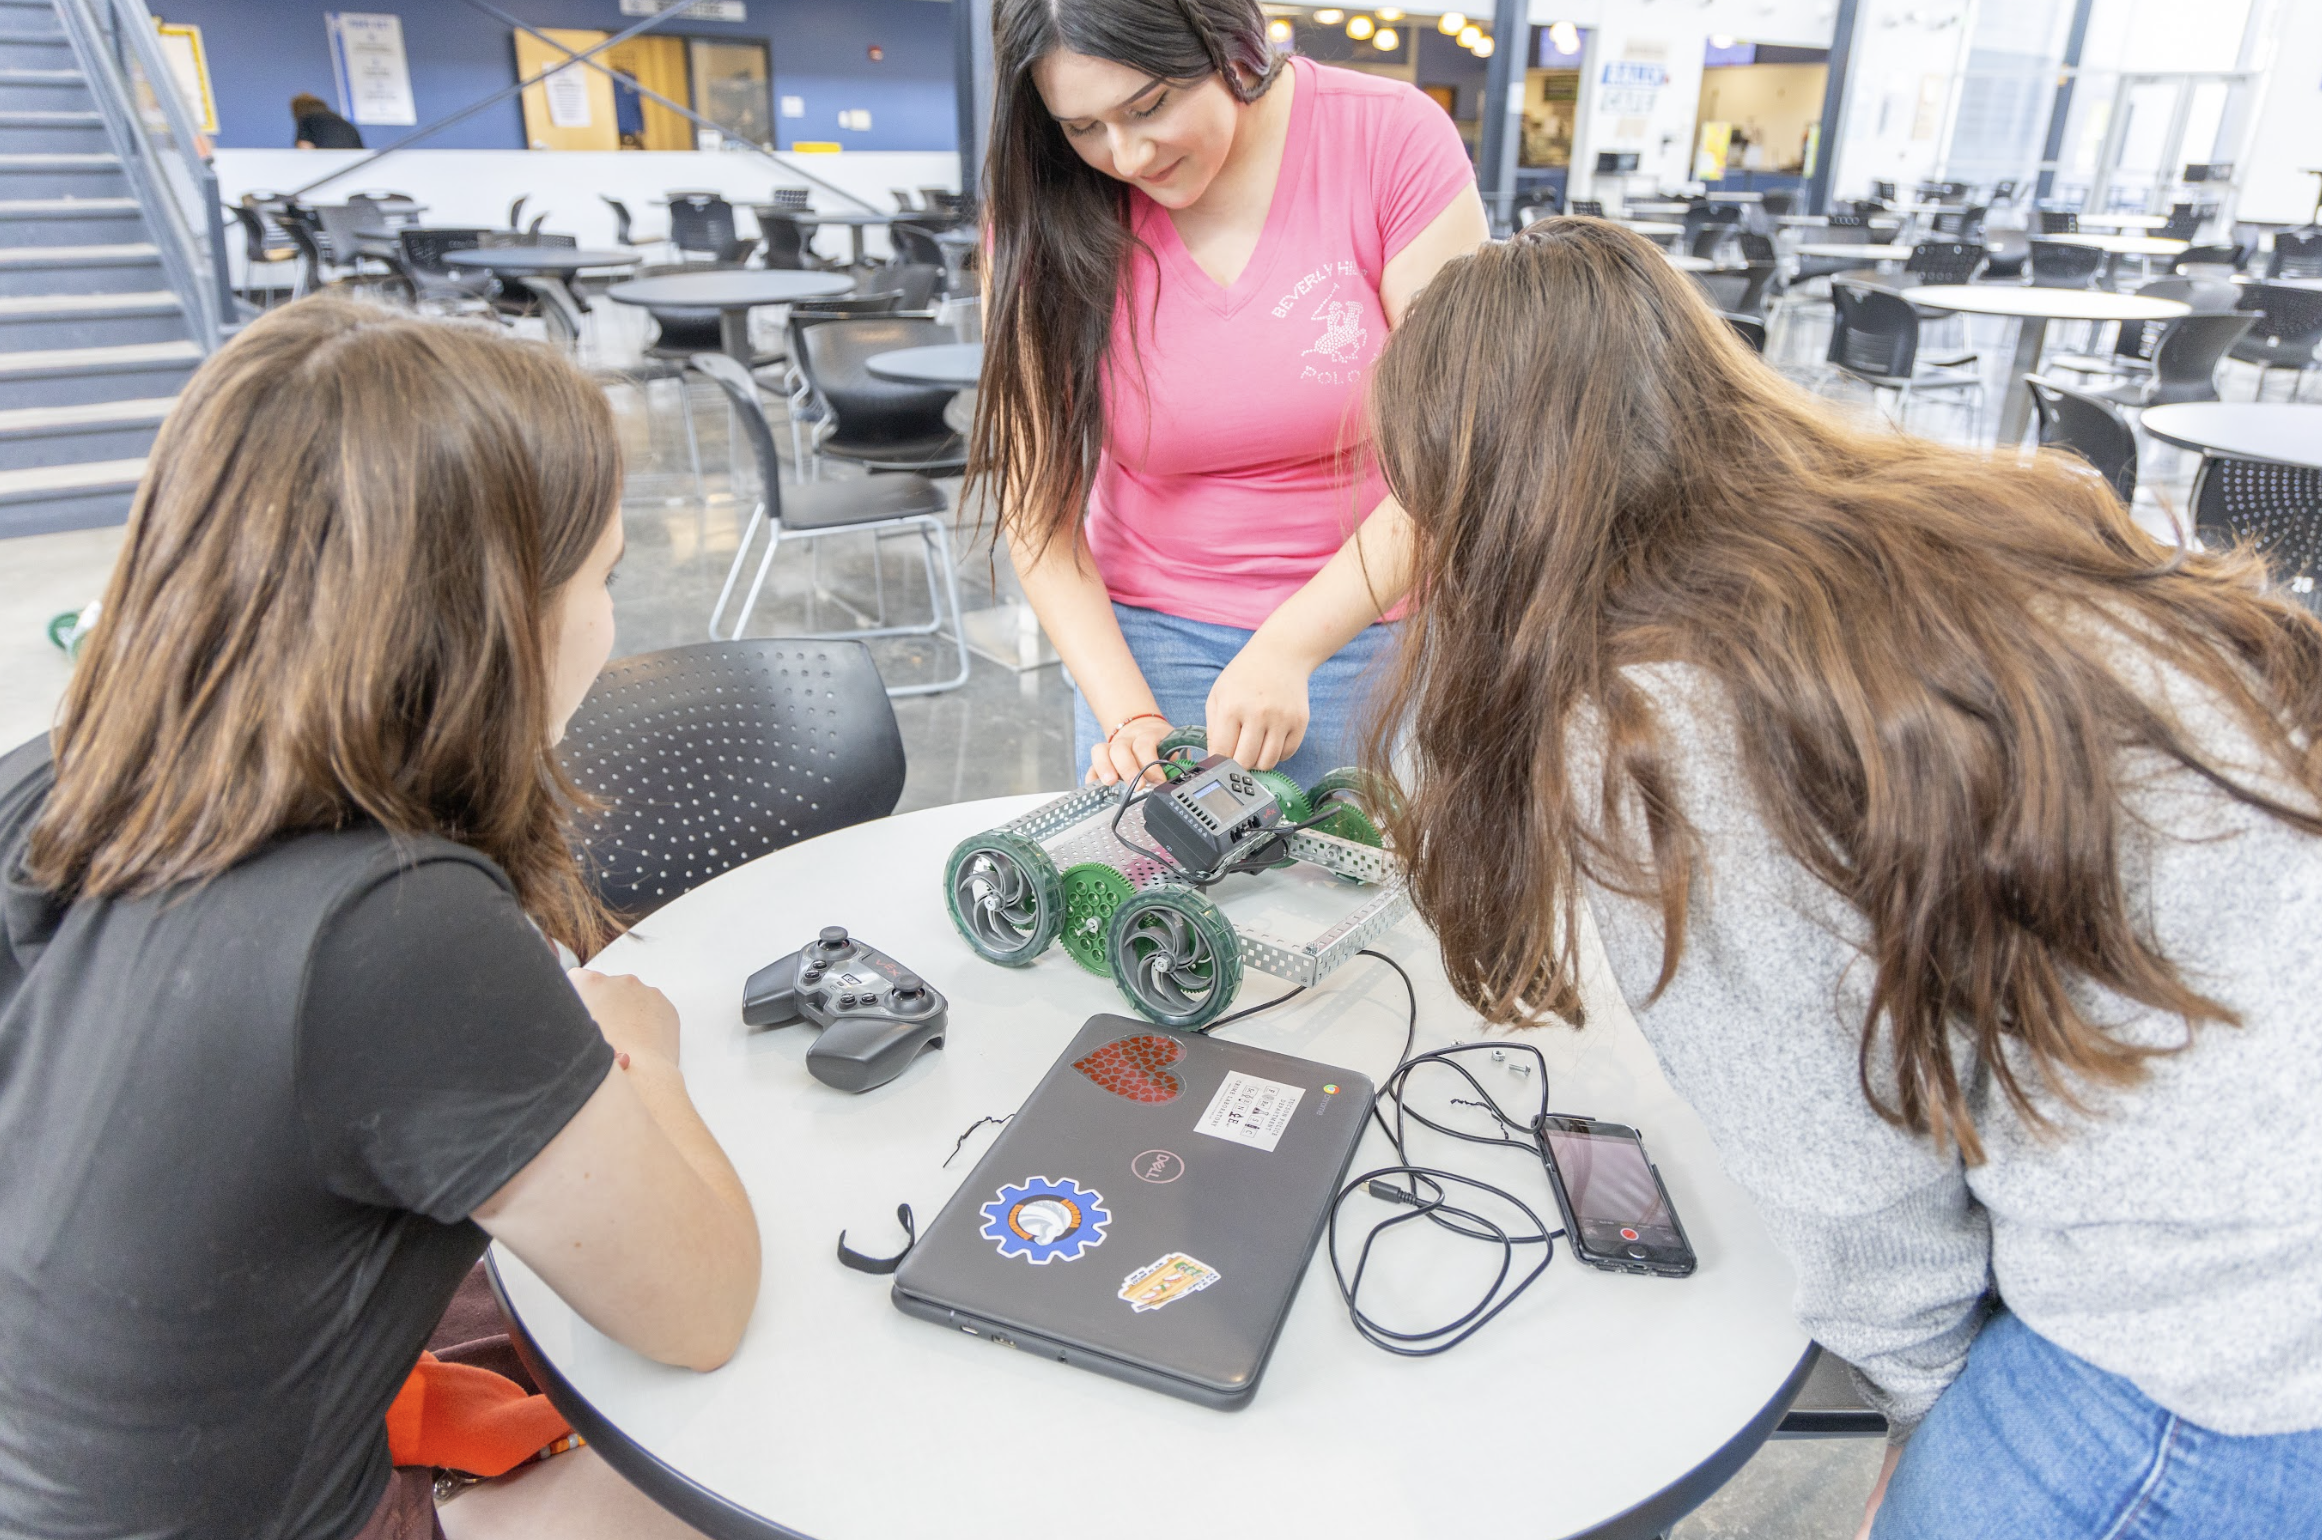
[[1286, 792], [1350, 795], [1176, 762], [1092, 891]]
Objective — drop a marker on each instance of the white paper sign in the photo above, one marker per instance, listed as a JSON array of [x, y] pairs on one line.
[[699, 10], [568, 97], [374, 77], [1251, 1111]]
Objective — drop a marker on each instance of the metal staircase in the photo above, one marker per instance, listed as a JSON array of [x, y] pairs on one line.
[[110, 265]]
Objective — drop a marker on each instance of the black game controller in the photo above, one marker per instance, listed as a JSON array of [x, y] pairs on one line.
[[875, 1014]]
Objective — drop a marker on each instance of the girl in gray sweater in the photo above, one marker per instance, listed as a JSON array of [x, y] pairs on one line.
[[1955, 843]]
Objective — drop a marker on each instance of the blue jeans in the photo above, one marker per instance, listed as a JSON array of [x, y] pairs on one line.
[[2031, 1441], [1182, 658]]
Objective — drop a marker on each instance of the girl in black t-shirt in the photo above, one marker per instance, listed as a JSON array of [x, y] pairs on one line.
[[282, 1039]]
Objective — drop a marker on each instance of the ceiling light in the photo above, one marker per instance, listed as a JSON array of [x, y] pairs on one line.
[[1449, 23], [1389, 13], [1278, 30], [1329, 18], [1468, 35], [1386, 41], [1483, 47], [1565, 36], [1721, 40], [1359, 27]]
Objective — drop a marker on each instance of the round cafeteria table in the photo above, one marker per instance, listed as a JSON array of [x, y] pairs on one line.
[[946, 363], [1839, 251], [1651, 206], [856, 222], [1597, 1404], [733, 293], [1686, 263], [1651, 227], [2122, 245], [2120, 222], [2280, 431], [538, 261], [2033, 308]]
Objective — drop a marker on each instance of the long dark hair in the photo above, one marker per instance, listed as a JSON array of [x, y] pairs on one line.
[[1060, 240], [331, 607], [1939, 667]]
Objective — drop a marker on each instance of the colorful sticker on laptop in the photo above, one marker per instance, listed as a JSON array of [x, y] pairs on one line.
[[1136, 1068], [1248, 1109], [1044, 1220], [1166, 1281]]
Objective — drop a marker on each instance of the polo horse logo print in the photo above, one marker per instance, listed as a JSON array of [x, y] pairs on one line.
[[1343, 333]]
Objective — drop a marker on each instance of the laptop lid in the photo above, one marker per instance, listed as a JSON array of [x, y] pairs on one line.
[[1153, 1205]]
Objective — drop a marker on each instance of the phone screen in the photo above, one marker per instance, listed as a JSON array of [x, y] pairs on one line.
[[1612, 1192]]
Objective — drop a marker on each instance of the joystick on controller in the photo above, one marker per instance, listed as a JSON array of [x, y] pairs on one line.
[[875, 1014]]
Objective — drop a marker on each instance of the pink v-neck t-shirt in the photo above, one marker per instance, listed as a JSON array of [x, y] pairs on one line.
[[1236, 462]]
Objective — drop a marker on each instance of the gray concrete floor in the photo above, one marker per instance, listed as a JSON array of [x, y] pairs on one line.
[[1002, 732]]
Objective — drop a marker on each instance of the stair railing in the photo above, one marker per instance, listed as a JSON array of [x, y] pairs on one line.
[[163, 154]]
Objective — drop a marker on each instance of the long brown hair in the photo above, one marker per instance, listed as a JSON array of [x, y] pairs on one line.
[[331, 607], [1061, 244], [1922, 649]]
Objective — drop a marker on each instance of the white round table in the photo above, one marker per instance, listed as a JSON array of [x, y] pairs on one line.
[[2280, 431], [2122, 245], [733, 292], [1869, 251], [1597, 1404], [945, 363], [1685, 262], [1651, 226], [1656, 206], [2033, 308], [2123, 221]]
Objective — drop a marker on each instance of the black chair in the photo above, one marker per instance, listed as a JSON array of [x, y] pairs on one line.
[[1750, 329], [1777, 203], [954, 206], [2003, 193], [1883, 193], [2289, 327], [786, 243], [2185, 361], [2058, 266], [2005, 253], [1708, 226], [1593, 208], [796, 199], [814, 510], [420, 254], [2185, 221], [2059, 222], [2227, 258], [2296, 254], [305, 231], [703, 224], [2275, 508], [882, 425], [914, 285], [262, 249], [624, 227], [1961, 224], [1874, 337], [916, 243], [355, 237], [1945, 261], [2132, 349], [559, 312], [2089, 427], [716, 754], [906, 201], [1738, 291]]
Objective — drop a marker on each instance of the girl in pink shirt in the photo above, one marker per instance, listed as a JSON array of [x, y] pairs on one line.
[[1198, 248]]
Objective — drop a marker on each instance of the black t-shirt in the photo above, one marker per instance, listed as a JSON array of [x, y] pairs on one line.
[[244, 1124], [326, 130]]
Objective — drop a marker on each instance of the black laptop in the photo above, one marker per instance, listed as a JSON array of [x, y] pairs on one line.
[[1149, 1212]]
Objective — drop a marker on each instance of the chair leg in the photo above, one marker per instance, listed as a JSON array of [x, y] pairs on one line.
[[758, 583], [935, 545], [733, 572]]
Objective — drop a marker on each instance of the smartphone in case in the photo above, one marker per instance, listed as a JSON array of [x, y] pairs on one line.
[[1617, 1215]]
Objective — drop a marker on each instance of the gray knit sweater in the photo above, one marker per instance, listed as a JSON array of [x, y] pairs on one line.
[[2175, 1238]]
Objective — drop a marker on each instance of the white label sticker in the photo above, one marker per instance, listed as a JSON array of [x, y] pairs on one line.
[[1247, 1110]]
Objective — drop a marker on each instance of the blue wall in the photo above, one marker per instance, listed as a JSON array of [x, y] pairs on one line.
[[262, 52]]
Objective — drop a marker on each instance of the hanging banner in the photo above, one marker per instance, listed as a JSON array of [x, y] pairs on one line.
[[699, 10], [374, 78]]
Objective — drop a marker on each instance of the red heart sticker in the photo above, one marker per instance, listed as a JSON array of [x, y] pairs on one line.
[[1136, 1068]]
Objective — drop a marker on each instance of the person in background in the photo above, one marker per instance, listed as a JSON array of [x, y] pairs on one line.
[[1198, 248], [1957, 844], [283, 1041], [319, 128]]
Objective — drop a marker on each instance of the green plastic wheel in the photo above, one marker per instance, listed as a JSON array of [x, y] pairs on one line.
[[1181, 750], [1174, 956], [1005, 895], [1092, 891], [1286, 792], [1352, 798]]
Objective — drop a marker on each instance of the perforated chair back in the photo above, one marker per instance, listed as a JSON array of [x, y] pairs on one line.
[[2059, 222], [343, 223], [840, 307], [2276, 508], [1874, 334], [2185, 359], [883, 423], [2289, 325], [716, 754], [2296, 255], [914, 243], [785, 241], [704, 223], [795, 198], [2185, 221], [1945, 261], [2058, 266], [622, 224], [1592, 208], [2090, 428], [912, 283]]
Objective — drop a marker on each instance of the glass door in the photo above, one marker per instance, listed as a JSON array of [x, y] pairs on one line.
[[2157, 124], [733, 86]]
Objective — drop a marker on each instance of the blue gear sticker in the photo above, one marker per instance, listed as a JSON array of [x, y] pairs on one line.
[[1044, 1220]]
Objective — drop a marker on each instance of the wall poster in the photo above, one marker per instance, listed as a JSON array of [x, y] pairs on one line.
[[181, 45], [374, 78]]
